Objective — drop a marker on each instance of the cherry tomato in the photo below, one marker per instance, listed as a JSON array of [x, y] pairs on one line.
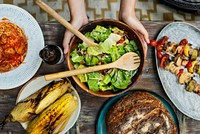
[[153, 43], [159, 47], [183, 42], [120, 41], [159, 54], [163, 60], [162, 41], [180, 72], [189, 64]]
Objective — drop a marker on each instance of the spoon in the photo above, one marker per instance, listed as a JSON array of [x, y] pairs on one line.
[[129, 61], [60, 19]]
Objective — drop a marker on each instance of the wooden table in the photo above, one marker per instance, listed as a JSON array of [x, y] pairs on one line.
[[92, 105]]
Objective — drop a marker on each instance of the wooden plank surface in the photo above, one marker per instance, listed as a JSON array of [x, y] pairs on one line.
[[92, 105]]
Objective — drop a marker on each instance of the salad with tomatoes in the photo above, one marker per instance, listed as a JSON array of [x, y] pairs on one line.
[[113, 43]]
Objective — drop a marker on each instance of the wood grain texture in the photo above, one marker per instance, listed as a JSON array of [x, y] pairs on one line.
[[92, 105]]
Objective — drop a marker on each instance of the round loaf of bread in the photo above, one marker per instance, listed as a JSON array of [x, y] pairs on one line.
[[139, 113]]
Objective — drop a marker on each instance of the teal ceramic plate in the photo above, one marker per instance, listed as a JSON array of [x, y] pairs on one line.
[[101, 124]]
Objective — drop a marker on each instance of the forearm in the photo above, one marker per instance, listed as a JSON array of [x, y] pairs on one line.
[[77, 9], [127, 8]]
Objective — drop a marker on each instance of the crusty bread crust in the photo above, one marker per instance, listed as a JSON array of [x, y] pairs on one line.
[[139, 112]]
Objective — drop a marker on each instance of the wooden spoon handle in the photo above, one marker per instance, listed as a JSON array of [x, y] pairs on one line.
[[60, 19], [77, 71]]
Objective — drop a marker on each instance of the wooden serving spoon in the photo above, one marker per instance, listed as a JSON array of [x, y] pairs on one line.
[[60, 19], [129, 61]]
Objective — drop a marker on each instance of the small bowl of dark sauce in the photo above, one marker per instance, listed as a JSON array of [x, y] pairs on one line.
[[52, 54]]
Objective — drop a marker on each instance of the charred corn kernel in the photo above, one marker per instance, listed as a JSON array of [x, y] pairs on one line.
[[28, 108], [54, 116], [52, 94]]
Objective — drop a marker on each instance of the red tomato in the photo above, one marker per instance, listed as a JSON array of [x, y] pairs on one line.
[[180, 72], [162, 40], [189, 64], [159, 47], [163, 59], [153, 43], [183, 42], [159, 54], [120, 41]]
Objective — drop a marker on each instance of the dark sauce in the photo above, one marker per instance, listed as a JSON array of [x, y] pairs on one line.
[[51, 54]]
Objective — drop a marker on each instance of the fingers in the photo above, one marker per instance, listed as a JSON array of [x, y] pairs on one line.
[[144, 45], [67, 37], [145, 34], [77, 23], [140, 28], [145, 40], [137, 25]]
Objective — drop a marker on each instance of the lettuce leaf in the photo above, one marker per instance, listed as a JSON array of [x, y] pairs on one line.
[[109, 42], [93, 79], [100, 33], [91, 60], [93, 84], [119, 80], [82, 77], [75, 57], [94, 50]]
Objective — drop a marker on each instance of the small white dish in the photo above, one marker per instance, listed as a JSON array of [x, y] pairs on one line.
[[37, 83]]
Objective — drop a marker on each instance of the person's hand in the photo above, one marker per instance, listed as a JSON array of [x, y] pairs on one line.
[[139, 28], [76, 23], [78, 18], [127, 15]]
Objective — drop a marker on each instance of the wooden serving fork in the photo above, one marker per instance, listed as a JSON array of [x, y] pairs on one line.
[[129, 61]]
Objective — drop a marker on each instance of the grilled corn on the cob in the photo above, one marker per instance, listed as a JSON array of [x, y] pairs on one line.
[[54, 118], [28, 108]]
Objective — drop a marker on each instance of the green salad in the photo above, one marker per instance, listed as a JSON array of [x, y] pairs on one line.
[[113, 43]]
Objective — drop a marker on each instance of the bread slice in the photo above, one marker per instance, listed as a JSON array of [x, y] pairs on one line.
[[139, 113]]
